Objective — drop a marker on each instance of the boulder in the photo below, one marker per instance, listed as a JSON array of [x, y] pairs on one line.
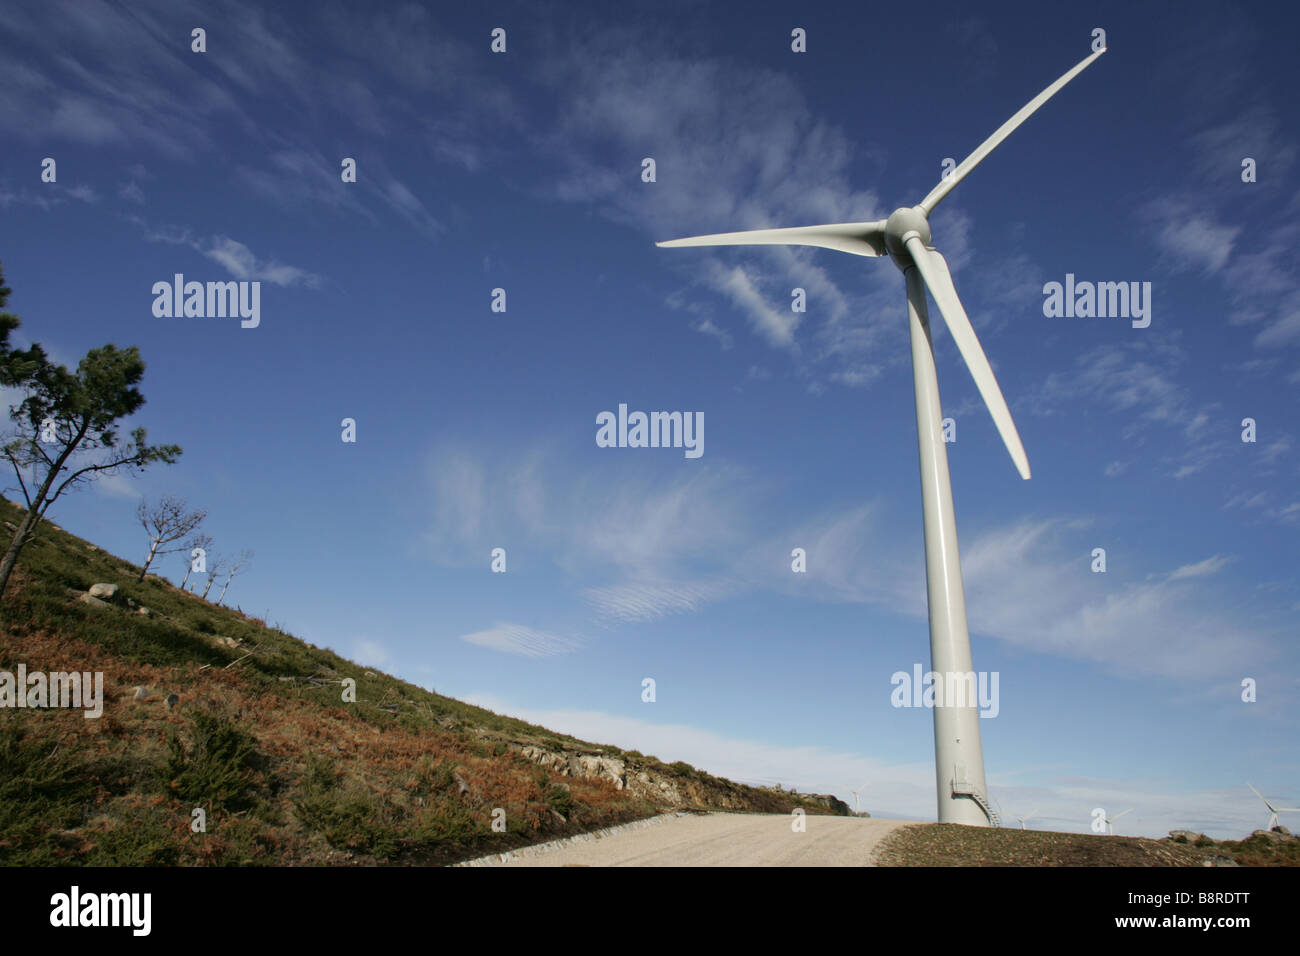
[[105, 592], [600, 767], [829, 801], [141, 693], [92, 601], [1190, 836]]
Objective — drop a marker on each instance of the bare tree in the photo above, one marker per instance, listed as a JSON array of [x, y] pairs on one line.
[[240, 565], [166, 522], [200, 542], [216, 564]]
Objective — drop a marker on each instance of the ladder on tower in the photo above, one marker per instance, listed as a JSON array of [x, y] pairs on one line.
[[960, 788]]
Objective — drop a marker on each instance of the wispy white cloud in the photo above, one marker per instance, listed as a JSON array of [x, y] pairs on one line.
[[240, 262], [48, 196], [1138, 380], [643, 545], [646, 601], [1189, 236], [1196, 227], [1030, 585], [1211, 565], [775, 325], [521, 640], [722, 167], [642, 548], [232, 255]]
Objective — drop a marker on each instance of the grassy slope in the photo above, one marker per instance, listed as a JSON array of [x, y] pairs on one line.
[[948, 844], [286, 772]]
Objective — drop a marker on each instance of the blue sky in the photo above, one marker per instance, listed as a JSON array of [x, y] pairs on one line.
[[476, 429]]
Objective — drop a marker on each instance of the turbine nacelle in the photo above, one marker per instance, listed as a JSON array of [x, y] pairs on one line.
[[901, 225]]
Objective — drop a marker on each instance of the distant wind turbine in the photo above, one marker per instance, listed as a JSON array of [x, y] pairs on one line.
[[1272, 820], [855, 793], [905, 237], [1027, 816], [1110, 821]]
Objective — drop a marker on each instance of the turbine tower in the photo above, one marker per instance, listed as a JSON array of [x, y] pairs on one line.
[[905, 237], [1272, 820]]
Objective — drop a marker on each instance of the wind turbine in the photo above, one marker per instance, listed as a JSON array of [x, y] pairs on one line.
[[905, 237], [1110, 821], [1027, 816], [855, 793], [1272, 820]]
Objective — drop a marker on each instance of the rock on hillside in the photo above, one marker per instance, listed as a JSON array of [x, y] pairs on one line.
[[675, 787]]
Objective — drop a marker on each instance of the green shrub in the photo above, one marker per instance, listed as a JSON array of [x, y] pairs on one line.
[[218, 768], [435, 776], [142, 839], [42, 790], [560, 799], [346, 818]]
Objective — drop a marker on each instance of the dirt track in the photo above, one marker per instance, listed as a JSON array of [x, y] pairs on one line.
[[723, 839]]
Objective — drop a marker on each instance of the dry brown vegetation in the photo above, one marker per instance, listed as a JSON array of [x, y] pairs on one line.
[[286, 772]]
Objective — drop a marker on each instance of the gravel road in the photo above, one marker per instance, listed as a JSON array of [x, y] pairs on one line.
[[719, 839]]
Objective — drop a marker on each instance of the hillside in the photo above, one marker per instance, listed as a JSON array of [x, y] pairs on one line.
[[259, 737]]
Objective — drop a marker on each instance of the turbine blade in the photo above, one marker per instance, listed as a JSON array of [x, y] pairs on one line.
[[1260, 795], [1006, 129], [934, 270], [1129, 810], [857, 238]]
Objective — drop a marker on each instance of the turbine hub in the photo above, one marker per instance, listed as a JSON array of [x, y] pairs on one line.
[[902, 223]]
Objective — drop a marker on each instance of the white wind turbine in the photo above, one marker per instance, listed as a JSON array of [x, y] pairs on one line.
[[1272, 820], [905, 237], [855, 793], [1027, 816], [1110, 821]]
